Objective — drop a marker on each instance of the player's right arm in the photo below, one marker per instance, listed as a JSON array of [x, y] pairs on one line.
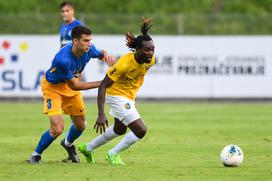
[[101, 121], [112, 75]]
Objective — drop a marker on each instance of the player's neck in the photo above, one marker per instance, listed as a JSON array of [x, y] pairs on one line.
[[76, 53], [70, 21], [138, 58]]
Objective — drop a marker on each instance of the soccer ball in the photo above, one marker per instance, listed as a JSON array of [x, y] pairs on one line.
[[231, 156]]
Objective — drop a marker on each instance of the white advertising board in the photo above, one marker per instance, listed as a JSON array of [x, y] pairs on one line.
[[187, 66]]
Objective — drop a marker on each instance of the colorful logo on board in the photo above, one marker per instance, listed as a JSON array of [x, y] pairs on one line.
[[6, 46]]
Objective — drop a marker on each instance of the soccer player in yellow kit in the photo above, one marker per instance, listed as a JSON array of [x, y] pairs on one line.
[[119, 89]]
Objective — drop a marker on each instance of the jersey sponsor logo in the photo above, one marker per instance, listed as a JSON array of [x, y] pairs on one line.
[[53, 69], [127, 106], [49, 103], [112, 71]]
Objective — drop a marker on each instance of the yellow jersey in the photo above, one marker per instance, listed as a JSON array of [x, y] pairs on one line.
[[128, 76]]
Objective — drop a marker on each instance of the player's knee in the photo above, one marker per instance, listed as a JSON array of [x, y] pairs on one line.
[[120, 131], [81, 126], [55, 132], [140, 133]]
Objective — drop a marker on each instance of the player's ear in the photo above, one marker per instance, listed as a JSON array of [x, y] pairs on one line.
[[75, 41]]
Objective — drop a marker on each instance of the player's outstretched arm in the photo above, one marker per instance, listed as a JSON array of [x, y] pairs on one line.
[[101, 121], [109, 59], [75, 84]]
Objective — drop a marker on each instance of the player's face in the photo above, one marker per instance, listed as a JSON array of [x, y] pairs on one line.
[[84, 43], [147, 51], [67, 13]]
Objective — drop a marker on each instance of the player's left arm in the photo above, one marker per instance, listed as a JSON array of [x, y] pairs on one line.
[[102, 55]]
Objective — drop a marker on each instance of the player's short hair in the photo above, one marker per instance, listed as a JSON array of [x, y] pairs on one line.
[[135, 43], [66, 3], [80, 30]]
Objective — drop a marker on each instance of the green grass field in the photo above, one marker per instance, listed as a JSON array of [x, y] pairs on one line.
[[183, 142]]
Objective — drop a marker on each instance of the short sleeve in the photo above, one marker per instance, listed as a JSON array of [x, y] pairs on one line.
[[65, 69], [94, 52], [116, 70]]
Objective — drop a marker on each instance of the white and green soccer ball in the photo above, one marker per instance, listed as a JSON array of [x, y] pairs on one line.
[[231, 156]]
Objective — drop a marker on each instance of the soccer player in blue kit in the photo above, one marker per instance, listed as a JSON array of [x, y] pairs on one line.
[[60, 88], [67, 13]]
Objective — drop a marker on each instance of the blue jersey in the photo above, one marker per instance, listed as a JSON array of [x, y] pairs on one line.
[[65, 65], [65, 32]]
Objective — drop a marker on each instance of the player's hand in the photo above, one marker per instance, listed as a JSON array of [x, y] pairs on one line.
[[109, 59], [101, 124]]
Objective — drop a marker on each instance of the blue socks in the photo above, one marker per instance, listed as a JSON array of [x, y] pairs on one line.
[[47, 139], [73, 134], [44, 142]]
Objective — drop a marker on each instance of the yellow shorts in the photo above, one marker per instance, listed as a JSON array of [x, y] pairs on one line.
[[58, 97]]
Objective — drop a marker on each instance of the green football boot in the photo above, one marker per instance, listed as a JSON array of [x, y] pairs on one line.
[[89, 155], [114, 159]]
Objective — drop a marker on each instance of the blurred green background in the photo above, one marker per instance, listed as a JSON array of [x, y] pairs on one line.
[[189, 17]]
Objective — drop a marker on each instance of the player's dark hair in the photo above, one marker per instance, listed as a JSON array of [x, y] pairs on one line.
[[135, 43], [66, 3], [80, 30]]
